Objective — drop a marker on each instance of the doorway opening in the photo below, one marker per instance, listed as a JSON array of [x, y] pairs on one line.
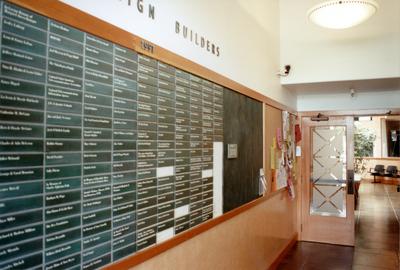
[[377, 149], [377, 182]]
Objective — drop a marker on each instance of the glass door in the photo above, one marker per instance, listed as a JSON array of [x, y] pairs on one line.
[[327, 201]]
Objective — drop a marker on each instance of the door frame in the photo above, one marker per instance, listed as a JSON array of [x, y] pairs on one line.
[[333, 230]]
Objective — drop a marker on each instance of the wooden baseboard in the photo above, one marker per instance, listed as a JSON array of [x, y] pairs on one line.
[[284, 252]]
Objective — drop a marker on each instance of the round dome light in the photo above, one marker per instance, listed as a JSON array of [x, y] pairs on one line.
[[340, 14]]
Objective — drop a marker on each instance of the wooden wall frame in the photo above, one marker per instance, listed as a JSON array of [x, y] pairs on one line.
[[85, 22], [144, 255]]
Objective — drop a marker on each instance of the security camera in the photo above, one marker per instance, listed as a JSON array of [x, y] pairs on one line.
[[285, 71]]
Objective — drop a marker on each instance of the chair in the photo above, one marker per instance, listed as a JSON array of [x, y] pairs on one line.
[[391, 171], [379, 170]]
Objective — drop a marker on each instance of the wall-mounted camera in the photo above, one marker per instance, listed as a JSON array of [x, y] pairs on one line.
[[285, 71]]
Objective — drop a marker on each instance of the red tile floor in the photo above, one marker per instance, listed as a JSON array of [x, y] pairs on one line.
[[377, 237]]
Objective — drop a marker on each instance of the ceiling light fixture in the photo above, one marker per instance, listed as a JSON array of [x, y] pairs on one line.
[[340, 14]]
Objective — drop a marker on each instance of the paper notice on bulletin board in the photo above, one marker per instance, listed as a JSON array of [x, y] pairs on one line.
[[272, 158], [279, 138], [285, 124], [281, 177]]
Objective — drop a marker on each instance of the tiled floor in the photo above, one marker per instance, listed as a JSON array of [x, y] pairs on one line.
[[377, 227], [377, 237]]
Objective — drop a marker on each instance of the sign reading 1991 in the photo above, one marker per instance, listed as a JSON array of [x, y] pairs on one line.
[[104, 152]]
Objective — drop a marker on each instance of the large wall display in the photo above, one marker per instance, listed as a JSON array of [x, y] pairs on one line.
[[104, 152]]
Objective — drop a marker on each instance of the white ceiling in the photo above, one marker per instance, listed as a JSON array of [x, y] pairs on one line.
[[366, 57]]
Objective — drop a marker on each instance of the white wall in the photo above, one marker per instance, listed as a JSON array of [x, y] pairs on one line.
[[343, 101], [246, 30], [368, 51], [327, 63]]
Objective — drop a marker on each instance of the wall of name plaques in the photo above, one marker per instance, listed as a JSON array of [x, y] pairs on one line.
[[104, 152]]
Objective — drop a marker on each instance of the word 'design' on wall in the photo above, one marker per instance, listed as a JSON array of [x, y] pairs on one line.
[[141, 7]]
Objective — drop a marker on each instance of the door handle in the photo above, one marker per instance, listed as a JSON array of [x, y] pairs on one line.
[[350, 181]]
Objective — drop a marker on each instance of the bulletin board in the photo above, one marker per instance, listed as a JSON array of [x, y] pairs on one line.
[[279, 148]]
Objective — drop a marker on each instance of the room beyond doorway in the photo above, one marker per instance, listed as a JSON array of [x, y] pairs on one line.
[[377, 148], [377, 237]]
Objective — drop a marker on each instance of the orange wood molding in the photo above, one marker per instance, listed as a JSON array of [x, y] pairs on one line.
[[351, 113], [90, 24], [149, 253], [284, 252]]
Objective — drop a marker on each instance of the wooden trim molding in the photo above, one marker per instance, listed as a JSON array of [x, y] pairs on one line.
[[147, 254], [285, 251], [377, 112], [95, 26]]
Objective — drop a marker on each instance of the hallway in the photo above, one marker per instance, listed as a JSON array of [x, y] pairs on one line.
[[377, 237], [377, 227]]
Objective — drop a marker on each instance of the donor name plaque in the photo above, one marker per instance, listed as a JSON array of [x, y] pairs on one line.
[[103, 152]]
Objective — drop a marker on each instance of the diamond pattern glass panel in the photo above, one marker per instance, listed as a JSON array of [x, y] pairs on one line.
[[328, 172]]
